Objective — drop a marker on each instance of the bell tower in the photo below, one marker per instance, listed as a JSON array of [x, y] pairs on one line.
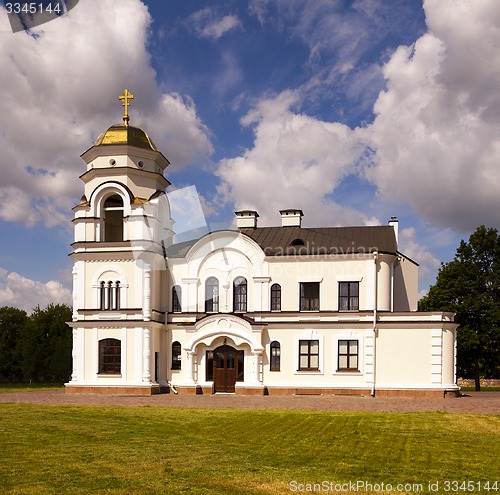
[[122, 225]]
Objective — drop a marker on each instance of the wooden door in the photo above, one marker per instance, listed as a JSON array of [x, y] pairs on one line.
[[225, 368]]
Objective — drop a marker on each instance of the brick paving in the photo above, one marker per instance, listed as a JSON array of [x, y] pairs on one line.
[[470, 403]]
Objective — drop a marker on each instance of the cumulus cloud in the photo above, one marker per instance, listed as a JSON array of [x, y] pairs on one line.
[[23, 293], [207, 24], [436, 135], [296, 162], [411, 247], [62, 89]]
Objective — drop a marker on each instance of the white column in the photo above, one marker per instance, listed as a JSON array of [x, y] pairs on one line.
[[256, 367], [147, 294], [75, 296], [95, 351], [437, 355], [124, 354], [261, 294], [74, 374], [191, 299], [146, 373], [189, 366]]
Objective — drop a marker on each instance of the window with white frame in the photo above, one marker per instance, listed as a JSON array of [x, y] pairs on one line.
[[309, 355], [348, 296], [309, 296], [176, 355], [110, 353], [212, 295], [112, 215], [275, 356], [276, 297], [176, 299], [240, 294], [348, 355]]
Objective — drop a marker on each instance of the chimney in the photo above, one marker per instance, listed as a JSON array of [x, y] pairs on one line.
[[246, 219], [393, 222], [291, 217]]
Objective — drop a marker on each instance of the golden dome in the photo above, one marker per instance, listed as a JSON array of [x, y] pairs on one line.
[[125, 134]]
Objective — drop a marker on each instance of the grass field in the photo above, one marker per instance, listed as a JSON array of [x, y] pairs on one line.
[[6, 388], [483, 389], [152, 450]]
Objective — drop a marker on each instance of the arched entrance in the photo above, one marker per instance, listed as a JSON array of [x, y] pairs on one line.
[[227, 368]]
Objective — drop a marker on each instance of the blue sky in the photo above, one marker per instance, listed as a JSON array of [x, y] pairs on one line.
[[353, 111]]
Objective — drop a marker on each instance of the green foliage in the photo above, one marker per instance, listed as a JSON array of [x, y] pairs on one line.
[[158, 450], [35, 347], [469, 285], [12, 322]]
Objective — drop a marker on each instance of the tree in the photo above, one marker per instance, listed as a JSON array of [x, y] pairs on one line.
[[12, 321], [46, 343], [469, 285]]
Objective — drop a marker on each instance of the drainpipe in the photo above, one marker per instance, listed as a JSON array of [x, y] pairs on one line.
[[375, 291]]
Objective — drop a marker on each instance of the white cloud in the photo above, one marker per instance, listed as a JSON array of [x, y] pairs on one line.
[[411, 247], [23, 293], [63, 88], [437, 130], [296, 162], [207, 25]]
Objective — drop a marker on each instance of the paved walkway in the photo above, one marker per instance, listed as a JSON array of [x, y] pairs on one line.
[[471, 403]]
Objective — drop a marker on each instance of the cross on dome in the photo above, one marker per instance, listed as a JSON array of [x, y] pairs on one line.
[[125, 97]]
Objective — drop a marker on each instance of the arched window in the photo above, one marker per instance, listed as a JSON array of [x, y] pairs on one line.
[[240, 294], [117, 295], [176, 299], [113, 219], [109, 295], [176, 356], [110, 357], [102, 295], [212, 295], [276, 297], [275, 356]]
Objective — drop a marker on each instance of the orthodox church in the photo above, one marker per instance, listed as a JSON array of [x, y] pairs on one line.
[[253, 310]]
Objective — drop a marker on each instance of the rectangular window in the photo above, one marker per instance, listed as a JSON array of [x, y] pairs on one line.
[[308, 355], [275, 356], [176, 356], [241, 366], [309, 296], [176, 299], [209, 370], [110, 357], [348, 355], [276, 297], [348, 296]]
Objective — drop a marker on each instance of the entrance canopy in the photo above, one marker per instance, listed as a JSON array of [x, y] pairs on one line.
[[213, 327]]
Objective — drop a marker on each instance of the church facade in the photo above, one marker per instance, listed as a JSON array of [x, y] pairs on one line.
[[252, 310]]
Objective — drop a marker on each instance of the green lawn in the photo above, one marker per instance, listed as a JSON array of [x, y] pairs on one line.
[[6, 388], [151, 450], [483, 389]]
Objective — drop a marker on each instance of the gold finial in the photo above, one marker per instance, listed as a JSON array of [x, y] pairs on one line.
[[126, 96]]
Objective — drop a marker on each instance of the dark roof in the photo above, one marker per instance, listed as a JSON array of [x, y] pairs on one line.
[[323, 240], [279, 241], [180, 250]]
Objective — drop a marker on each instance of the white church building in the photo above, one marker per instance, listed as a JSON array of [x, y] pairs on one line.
[[252, 310]]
